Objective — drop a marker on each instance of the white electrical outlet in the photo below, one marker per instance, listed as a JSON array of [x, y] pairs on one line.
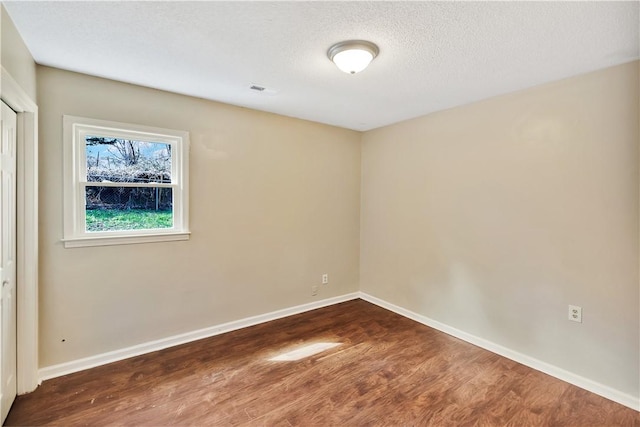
[[575, 313], [325, 278], [314, 290]]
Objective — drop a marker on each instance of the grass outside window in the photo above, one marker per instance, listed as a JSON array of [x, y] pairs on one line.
[[121, 219]]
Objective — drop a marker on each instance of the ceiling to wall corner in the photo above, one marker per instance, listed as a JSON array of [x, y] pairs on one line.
[[433, 55]]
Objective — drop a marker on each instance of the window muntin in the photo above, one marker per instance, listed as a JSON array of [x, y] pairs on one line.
[[124, 183]]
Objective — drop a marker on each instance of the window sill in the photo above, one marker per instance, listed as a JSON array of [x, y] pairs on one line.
[[81, 242]]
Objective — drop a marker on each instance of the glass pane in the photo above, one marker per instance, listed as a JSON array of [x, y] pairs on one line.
[[125, 160], [128, 208]]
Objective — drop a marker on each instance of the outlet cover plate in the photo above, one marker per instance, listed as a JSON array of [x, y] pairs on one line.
[[575, 313]]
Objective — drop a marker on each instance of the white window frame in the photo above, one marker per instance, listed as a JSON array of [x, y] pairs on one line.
[[75, 129]]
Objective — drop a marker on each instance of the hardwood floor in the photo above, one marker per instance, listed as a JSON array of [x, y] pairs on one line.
[[387, 370]]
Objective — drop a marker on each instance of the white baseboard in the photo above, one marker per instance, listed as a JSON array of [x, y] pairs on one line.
[[125, 353], [136, 350], [577, 380]]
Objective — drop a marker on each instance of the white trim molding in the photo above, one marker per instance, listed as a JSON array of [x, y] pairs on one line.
[[577, 380], [27, 231], [82, 242], [136, 350]]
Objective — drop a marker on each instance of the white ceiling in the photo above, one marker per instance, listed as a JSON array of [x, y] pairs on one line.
[[433, 55]]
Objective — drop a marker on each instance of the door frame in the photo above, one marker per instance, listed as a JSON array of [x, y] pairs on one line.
[[27, 231]]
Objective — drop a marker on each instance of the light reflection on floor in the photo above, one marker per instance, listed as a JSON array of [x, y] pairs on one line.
[[305, 351]]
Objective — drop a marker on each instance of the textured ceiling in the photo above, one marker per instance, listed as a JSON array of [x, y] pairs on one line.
[[433, 55]]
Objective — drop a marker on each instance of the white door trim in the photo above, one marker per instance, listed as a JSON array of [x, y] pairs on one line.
[[27, 230]]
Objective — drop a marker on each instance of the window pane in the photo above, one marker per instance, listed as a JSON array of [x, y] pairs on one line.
[[125, 160], [128, 208]]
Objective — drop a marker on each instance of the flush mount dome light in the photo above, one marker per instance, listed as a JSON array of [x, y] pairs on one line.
[[352, 56]]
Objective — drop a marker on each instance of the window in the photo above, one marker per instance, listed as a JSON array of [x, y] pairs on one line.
[[124, 183]]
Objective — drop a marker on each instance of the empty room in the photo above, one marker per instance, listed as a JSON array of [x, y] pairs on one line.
[[315, 213]]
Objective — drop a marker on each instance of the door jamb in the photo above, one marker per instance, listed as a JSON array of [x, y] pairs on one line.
[[27, 231]]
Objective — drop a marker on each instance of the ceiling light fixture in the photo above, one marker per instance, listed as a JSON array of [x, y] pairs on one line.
[[352, 56]]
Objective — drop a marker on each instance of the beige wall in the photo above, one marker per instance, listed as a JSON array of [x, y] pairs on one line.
[[493, 217], [274, 204], [15, 57]]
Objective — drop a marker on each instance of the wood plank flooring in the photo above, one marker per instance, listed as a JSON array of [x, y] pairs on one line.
[[387, 370]]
